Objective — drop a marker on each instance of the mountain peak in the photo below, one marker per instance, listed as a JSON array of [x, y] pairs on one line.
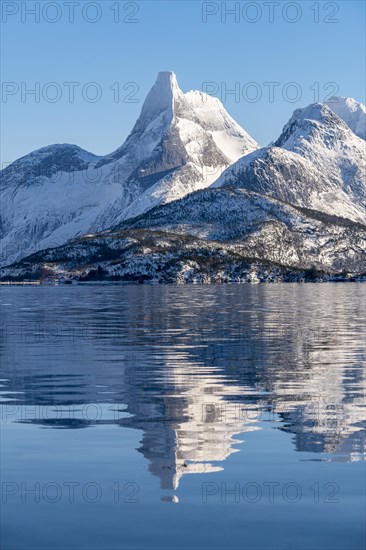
[[166, 85], [317, 119], [161, 97], [352, 112], [317, 112], [167, 78]]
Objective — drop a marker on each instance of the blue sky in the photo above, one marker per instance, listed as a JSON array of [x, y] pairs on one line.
[[290, 42]]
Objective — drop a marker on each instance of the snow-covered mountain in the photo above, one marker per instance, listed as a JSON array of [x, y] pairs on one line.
[[317, 163], [212, 235], [351, 112], [155, 209], [179, 144], [263, 228]]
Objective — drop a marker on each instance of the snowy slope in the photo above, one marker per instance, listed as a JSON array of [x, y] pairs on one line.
[[317, 163], [263, 227], [351, 112], [180, 143], [211, 235], [202, 139]]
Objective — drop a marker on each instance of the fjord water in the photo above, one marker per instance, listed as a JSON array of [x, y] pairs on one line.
[[188, 417]]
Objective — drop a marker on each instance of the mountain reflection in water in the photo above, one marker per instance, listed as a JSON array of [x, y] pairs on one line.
[[193, 368]]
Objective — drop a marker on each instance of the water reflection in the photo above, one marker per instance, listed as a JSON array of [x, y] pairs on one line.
[[195, 369]]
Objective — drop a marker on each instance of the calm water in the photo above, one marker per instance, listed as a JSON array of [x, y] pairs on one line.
[[219, 417]]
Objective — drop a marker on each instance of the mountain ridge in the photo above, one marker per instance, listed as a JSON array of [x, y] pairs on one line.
[[212, 235], [317, 162], [61, 191], [298, 203]]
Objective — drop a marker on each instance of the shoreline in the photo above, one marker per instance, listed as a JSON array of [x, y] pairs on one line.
[[156, 283]]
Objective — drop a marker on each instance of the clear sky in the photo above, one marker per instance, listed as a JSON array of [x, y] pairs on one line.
[[121, 46]]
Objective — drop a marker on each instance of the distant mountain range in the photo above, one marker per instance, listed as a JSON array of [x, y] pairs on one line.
[[191, 197]]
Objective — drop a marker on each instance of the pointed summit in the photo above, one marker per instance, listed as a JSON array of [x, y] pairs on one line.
[[167, 79], [180, 143], [156, 117], [161, 98]]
